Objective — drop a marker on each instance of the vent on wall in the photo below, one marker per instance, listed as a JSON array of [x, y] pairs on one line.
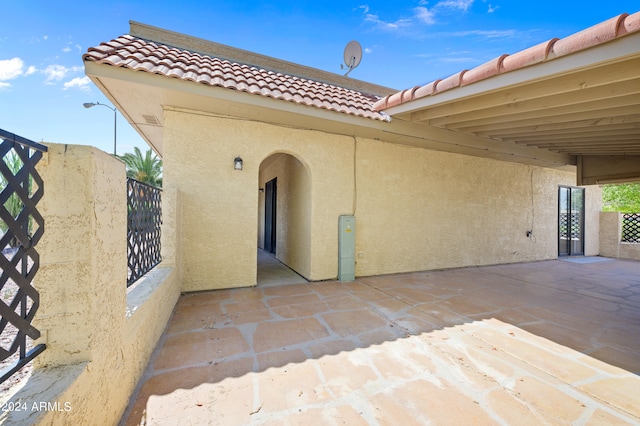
[[151, 119]]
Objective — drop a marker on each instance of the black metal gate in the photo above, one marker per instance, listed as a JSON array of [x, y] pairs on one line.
[[144, 220], [22, 227]]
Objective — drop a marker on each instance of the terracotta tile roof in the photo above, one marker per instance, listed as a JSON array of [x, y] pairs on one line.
[[143, 55], [555, 48]]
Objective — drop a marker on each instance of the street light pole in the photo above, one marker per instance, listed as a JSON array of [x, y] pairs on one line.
[[92, 104]]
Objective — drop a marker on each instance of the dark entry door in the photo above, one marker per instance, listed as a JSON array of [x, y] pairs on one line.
[[270, 194], [570, 221]]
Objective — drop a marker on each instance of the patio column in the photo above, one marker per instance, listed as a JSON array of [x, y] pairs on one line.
[[610, 234], [83, 253]]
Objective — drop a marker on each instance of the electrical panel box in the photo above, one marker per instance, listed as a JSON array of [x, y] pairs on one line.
[[347, 248]]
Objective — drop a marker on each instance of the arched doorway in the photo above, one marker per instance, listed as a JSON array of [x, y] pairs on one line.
[[284, 216]]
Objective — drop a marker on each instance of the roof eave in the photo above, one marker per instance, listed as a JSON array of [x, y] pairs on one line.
[[168, 91], [274, 111], [612, 51]]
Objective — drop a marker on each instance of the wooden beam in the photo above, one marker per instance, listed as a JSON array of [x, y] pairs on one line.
[[593, 170], [598, 108], [624, 72], [561, 128], [601, 138], [601, 97], [557, 121]]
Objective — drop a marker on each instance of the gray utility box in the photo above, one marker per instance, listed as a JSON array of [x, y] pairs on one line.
[[347, 248]]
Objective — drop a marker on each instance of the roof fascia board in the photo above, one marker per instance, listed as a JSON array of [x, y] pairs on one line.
[[233, 54], [614, 50]]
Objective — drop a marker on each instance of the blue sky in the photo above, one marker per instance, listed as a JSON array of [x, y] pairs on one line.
[[405, 43]]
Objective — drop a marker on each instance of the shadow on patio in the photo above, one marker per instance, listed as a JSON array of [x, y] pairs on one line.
[[553, 341]]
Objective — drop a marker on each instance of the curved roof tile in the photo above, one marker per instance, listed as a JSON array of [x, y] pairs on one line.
[[629, 25], [603, 32], [597, 34], [527, 57], [450, 82], [427, 89], [143, 55], [483, 71]]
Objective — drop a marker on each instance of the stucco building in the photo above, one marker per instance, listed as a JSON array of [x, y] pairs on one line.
[[479, 168], [494, 165]]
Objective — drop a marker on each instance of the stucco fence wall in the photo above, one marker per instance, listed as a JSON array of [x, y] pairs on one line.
[[611, 235], [415, 209], [99, 334]]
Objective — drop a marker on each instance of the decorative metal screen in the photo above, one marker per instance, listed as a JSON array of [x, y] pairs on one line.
[[631, 228], [144, 218], [22, 227], [569, 225]]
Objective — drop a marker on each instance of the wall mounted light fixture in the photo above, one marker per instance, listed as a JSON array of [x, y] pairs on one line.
[[237, 163]]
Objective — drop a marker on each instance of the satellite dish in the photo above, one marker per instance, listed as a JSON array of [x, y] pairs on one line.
[[352, 55]]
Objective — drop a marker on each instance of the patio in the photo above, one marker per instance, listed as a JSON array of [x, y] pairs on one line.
[[534, 343]]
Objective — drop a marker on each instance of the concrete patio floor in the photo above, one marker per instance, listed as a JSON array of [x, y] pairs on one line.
[[552, 342]]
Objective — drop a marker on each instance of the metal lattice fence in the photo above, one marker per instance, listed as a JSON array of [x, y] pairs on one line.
[[22, 227], [144, 220], [631, 228]]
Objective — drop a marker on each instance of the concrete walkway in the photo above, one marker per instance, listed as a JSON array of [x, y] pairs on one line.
[[271, 272], [551, 342]]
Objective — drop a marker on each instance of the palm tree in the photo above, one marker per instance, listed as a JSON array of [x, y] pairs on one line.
[[146, 169]]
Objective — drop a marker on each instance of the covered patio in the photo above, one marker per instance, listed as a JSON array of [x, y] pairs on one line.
[[531, 343]]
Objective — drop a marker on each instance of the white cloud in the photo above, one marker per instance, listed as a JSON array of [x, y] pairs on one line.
[[421, 14], [488, 34], [387, 26], [456, 4], [15, 67], [58, 72], [81, 83], [10, 68], [456, 59], [368, 50], [70, 46], [364, 7], [55, 72], [492, 8], [424, 15]]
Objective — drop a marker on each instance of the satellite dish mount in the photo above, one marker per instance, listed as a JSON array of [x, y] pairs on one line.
[[352, 56]]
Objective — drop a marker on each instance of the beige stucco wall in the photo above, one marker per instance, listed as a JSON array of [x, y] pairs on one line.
[[611, 235], [415, 209], [419, 209], [220, 212], [99, 335]]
